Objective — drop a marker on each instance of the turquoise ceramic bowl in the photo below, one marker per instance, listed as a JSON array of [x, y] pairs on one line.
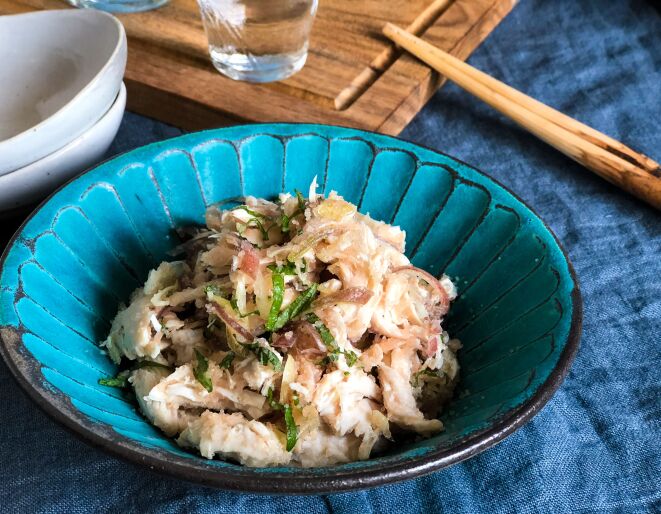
[[91, 243]]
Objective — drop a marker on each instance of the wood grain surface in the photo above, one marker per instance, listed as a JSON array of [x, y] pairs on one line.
[[169, 75]]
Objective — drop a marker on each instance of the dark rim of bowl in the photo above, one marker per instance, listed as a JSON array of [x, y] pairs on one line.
[[336, 481]]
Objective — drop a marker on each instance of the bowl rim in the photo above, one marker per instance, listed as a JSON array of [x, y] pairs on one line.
[[120, 44], [114, 114], [346, 480]]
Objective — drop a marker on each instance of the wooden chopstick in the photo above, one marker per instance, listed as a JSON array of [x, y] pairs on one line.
[[388, 56], [609, 158]]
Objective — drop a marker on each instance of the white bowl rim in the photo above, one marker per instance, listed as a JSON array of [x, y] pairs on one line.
[[118, 99], [27, 172], [121, 37]]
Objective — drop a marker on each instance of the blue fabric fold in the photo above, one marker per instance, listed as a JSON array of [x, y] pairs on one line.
[[596, 445]]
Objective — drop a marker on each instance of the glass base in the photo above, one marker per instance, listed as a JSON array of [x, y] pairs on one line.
[[250, 68], [122, 6]]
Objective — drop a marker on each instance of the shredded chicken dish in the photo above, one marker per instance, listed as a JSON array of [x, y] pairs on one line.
[[293, 332]]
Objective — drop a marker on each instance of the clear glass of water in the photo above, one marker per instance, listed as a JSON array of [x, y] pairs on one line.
[[258, 40]]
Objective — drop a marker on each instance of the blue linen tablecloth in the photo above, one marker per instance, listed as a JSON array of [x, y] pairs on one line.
[[596, 446]]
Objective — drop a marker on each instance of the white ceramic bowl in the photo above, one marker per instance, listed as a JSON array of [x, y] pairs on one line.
[[36, 180], [60, 72]]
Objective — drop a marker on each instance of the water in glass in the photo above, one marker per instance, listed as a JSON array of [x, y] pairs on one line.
[[258, 40]]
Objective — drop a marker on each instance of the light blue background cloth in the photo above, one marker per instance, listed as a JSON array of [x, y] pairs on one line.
[[596, 446]]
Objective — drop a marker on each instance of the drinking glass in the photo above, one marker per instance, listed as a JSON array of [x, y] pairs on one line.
[[258, 40]]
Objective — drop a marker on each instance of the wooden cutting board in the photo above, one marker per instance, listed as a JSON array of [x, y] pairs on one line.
[[169, 76]]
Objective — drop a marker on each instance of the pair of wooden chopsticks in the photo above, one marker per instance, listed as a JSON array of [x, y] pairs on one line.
[[609, 158]]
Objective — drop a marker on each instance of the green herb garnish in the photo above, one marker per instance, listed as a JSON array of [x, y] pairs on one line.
[[276, 319], [334, 351], [151, 364], [350, 357], [254, 214], [227, 360], [292, 429], [301, 200], [278, 282], [275, 405], [212, 289], [301, 303], [121, 380], [200, 371], [236, 308], [283, 221], [288, 268], [324, 333], [259, 225], [415, 379], [264, 355], [257, 220]]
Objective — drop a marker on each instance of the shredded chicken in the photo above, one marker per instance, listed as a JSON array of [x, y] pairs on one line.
[[165, 415], [251, 443], [324, 448], [182, 389], [398, 398], [290, 332]]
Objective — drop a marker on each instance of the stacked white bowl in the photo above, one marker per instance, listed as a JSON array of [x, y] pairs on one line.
[[62, 98]]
